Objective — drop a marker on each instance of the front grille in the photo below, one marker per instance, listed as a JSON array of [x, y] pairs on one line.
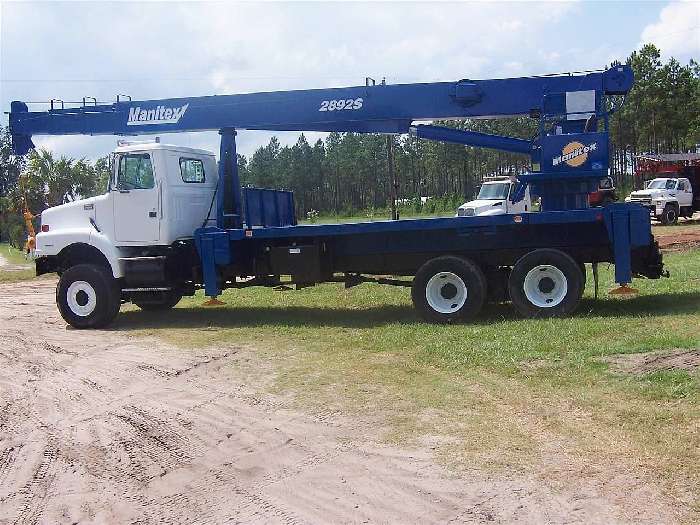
[[641, 200]]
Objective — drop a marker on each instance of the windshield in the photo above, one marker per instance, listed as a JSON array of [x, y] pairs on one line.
[[496, 191], [662, 184]]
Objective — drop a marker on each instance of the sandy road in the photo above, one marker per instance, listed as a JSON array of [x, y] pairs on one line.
[[100, 427]]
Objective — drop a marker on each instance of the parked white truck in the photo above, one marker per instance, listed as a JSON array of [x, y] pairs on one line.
[[667, 198], [494, 199]]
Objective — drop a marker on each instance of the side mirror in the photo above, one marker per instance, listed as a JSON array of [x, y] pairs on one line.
[[113, 163]]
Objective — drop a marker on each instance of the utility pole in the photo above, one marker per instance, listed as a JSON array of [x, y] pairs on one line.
[[393, 183]]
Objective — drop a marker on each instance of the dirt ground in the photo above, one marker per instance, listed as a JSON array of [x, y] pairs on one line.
[[102, 427], [685, 239], [644, 363]]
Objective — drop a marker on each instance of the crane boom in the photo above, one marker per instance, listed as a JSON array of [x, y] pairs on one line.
[[365, 109]]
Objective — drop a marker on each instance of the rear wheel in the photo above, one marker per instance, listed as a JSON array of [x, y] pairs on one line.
[[447, 289], [546, 283], [87, 296]]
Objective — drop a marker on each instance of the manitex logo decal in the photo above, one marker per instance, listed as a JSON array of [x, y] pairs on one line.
[[574, 154], [158, 115]]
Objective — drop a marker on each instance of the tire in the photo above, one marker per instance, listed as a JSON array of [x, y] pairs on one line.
[[88, 296], [669, 215], [546, 283], [447, 289], [159, 301]]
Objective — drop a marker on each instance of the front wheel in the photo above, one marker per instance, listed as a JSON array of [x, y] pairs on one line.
[[87, 296], [546, 283], [669, 215], [448, 288]]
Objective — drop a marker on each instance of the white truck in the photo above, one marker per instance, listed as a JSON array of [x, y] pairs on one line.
[[667, 198], [494, 199], [158, 196]]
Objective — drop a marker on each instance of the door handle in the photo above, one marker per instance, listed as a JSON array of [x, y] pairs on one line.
[[152, 214]]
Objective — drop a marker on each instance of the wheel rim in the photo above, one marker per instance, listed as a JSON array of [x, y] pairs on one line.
[[671, 215], [81, 298], [545, 286], [446, 292]]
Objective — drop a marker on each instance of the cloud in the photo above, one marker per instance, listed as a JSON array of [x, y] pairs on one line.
[[677, 31]]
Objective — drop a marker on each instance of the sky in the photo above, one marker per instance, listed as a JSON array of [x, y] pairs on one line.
[[69, 50]]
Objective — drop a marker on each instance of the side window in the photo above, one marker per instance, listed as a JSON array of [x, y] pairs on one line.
[[192, 170], [670, 184], [681, 186], [135, 172]]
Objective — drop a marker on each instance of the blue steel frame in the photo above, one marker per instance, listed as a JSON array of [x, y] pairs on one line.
[[628, 226]]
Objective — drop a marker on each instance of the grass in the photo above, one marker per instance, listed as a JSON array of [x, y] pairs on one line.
[[12, 255], [501, 392], [378, 215], [15, 257]]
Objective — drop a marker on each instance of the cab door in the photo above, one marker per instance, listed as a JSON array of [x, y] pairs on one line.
[[136, 200], [685, 193]]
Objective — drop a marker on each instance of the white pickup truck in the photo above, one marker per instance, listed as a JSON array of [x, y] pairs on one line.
[[494, 199], [667, 198]]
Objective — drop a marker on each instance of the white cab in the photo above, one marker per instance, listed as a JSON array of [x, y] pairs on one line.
[[495, 199], [158, 194]]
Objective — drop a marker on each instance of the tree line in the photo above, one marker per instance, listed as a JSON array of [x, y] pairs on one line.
[[347, 173], [38, 181]]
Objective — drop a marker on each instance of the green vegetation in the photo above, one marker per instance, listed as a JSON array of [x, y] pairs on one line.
[[494, 393], [44, 181], [14, 257]]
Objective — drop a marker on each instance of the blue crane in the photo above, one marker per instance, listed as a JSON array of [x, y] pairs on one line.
[[256, 232]]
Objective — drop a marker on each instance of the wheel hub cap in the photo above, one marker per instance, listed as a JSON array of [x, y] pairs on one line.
[[545, 286], [81, 298], [446, 292]]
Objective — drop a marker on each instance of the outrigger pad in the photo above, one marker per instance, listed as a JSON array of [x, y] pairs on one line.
[[213, 301], [624, 291]]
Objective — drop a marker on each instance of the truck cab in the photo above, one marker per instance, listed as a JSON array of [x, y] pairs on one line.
[[667, 198], [494, 198], [158, 195]]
